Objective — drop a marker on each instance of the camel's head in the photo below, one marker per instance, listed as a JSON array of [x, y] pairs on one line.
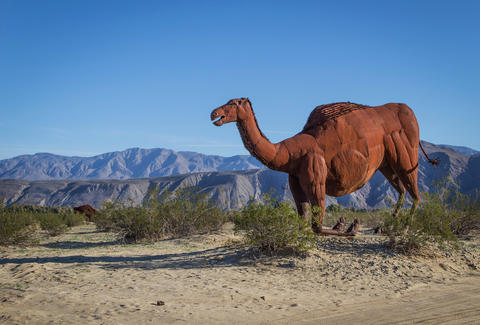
[[234, 110]]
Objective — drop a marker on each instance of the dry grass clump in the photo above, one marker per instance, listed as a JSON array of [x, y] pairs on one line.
[[19, 224], [441, 218], [184, 212], [15, 228], [272, 226]]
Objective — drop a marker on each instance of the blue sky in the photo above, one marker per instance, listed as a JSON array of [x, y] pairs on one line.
[[88, 77]]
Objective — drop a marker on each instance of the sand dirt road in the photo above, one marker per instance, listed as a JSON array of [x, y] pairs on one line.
[[87, 277], [452, 303]]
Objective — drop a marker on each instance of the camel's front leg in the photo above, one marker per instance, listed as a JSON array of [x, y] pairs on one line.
[[312, 178], [312, 175], [301, 200]]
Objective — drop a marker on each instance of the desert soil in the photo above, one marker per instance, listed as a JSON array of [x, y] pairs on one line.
[[88, 277]]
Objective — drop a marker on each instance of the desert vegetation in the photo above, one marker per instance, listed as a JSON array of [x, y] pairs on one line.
[[269, 226], [184, 212], [442, 218], [21, 224], [272, 226]]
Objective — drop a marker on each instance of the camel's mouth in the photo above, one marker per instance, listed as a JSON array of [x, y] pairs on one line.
[[219, 121], [217, 118]]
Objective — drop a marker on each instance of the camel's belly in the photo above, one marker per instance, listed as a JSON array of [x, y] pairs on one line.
[[349, 171], [332, 188]]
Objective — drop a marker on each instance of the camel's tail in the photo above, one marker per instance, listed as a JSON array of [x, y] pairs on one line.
[[432, 161]]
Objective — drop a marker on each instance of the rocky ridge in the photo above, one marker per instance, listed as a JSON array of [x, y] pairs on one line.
[[232, 189]]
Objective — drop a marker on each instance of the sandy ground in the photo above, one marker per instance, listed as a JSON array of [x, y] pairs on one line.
[[87, 277]]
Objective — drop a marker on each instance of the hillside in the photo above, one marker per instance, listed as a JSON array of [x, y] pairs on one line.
[[232, 189], [130, 163], [144, 163]]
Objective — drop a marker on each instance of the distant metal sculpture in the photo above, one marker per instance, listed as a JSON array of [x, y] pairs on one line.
[[86, 210], [339, 149]]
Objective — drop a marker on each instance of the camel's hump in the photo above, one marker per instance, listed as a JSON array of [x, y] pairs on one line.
[[327, 112]]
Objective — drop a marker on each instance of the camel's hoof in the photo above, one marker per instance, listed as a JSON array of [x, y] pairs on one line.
[[353, 228], [339, 225], [316, 229]]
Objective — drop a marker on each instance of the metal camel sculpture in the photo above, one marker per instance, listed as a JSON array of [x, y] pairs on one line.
[[339, 149], [87, 210]]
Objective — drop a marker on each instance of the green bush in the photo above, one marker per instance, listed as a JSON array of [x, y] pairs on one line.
[[185, 212], [56, 220], [52, 223], [132, 222], [368, 218], [19, 223], [466, 212], [334, 208], [15, 227], [71, 219], [105, 217], [188, 211], [272, 226], [430, 224]]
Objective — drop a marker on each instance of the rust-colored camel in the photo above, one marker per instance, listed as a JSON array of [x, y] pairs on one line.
[[340, 148], [86, 210]]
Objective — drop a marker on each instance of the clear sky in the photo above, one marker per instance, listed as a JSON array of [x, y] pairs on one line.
[[87, 77]]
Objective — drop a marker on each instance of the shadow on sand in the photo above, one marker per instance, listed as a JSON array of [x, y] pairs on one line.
[[217, 257], [357, 247], [80, 245], [224, 256]]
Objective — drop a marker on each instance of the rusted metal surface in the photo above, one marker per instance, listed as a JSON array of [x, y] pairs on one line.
[[340, 148], [86, 210]]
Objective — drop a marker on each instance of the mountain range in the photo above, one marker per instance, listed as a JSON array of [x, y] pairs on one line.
[[50, 180], [460, 149], [130, 163]]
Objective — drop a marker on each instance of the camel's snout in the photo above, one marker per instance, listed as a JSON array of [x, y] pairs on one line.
[[217, 115]]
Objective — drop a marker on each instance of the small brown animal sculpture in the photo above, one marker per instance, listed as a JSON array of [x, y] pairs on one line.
[[339, 149], [86, 210]]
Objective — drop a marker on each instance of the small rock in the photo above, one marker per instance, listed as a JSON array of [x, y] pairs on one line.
[[160, 303], [287, 264], [262, 297]]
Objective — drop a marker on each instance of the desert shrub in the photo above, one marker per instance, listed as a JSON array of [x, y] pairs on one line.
[[368, 218], [72, 219], [189, 211], [52, 223], [334, 208], [131, 222], [19, 223], [35, 209], [466, 212], [185, 212], [430, 224], [15, 227], [105, 218], [272, 226], [373, 218], [56, 220]]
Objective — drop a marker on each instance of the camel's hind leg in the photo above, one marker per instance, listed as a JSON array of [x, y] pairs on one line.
[[394, 180], [402, 157]]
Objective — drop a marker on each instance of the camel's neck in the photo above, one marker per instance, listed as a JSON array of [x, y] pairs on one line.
[[257, 143]]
